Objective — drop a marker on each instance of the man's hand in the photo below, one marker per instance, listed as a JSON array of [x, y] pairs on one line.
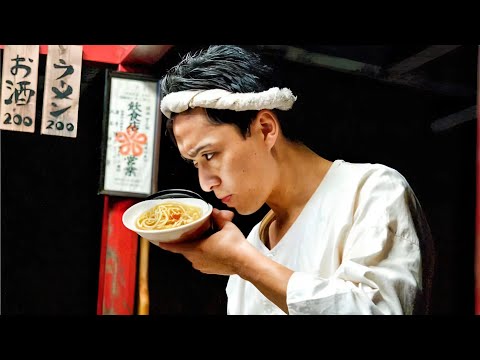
[[219, 253]]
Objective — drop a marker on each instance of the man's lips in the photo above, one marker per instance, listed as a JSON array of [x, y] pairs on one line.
[[226, 199]]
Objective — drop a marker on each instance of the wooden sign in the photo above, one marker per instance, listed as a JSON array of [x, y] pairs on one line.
[[62, 90], [19, 87], [131, 135]]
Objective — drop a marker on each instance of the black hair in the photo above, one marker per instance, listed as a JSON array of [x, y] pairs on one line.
[[228, 67]]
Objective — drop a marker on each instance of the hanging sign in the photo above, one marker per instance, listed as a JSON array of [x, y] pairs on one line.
[[19, 87], [62, 90]]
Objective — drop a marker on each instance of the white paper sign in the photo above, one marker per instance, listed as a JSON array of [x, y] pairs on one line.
[[132, 138]]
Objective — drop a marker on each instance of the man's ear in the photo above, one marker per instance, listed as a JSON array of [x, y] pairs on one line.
[[267, 123]]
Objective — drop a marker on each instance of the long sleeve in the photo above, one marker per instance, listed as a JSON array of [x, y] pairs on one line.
[[380, 263]]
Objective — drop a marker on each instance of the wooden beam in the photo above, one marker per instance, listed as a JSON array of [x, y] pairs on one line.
[[424, 83], [430, 53], [143, 305], [452, 120], [299, 55], [371, 71]]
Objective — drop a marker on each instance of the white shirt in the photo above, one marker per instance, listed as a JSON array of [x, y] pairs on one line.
[[354, 248]]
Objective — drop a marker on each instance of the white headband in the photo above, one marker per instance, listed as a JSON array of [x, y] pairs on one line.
[[273, 98]]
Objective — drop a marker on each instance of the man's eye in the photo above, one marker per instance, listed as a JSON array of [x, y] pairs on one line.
[[206, 156]]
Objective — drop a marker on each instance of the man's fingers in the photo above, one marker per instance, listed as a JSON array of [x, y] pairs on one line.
[[221, 217]]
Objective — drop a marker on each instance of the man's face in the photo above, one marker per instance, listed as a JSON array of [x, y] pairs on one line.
[[236, 169]]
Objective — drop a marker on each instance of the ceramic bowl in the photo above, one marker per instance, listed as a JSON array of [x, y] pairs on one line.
[[177, 234]]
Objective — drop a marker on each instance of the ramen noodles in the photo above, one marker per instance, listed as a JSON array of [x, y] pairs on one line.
[[168, 215]]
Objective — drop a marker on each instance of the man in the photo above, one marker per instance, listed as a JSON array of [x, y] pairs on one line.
[[340, 238]]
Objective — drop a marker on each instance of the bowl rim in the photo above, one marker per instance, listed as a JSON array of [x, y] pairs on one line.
[[206, 214]]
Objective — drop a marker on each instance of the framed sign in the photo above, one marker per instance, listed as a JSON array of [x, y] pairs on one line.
[[131, 135]]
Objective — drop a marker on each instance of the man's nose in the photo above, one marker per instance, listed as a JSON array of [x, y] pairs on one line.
[[207, 179]]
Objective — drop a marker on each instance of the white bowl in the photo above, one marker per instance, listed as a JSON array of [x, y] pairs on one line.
[[177, 234]]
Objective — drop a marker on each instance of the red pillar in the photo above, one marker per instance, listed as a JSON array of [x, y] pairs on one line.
[[118, 258], [119, 246]]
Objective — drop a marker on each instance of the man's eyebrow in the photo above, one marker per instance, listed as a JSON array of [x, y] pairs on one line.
[[187, 160], [194, 152]]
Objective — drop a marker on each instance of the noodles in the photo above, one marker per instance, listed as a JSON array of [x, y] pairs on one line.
[[168, 215]]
